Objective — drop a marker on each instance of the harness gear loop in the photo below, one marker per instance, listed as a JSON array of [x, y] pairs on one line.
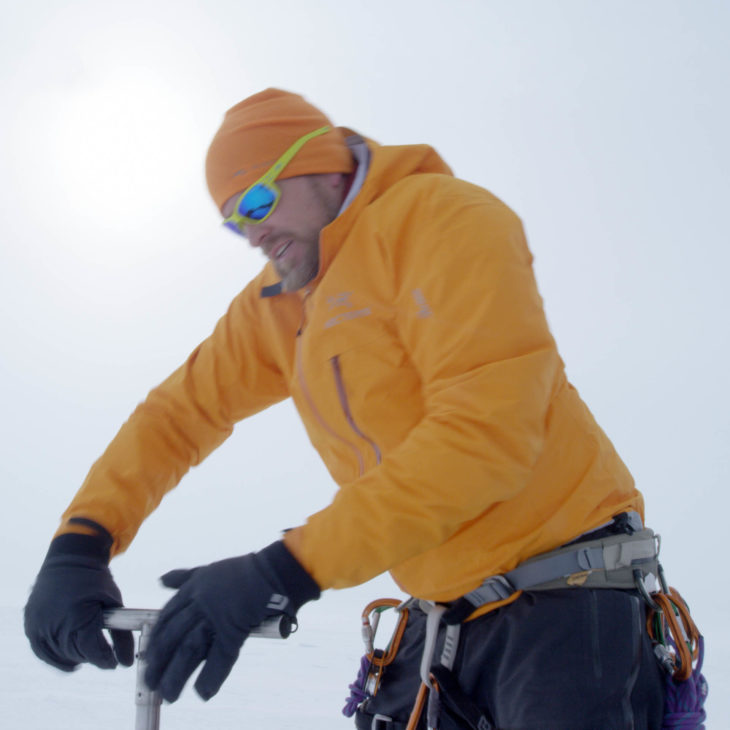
[[433, 611], [429, 689]]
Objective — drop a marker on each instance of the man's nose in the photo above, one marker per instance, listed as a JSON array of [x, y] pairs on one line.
[[255, 234]]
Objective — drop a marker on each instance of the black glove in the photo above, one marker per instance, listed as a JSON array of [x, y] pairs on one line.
[[64, 614], [213, 613]]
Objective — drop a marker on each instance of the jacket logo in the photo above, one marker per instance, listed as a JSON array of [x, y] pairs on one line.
[[346, 316], [343, 299], [340, 300], [424, 310]]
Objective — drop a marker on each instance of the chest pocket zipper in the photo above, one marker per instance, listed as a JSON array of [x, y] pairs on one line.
[[342, 395], [315, 411]]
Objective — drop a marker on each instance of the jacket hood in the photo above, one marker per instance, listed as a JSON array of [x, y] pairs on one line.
[[389, 165], [392, 163]]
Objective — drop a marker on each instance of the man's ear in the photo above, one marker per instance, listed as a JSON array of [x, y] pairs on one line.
[[334, 179]]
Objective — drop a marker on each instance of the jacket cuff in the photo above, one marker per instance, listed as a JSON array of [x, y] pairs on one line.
[[286, 570], [96, 547]]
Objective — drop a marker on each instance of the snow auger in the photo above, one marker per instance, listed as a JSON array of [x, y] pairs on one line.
[[142, 619]]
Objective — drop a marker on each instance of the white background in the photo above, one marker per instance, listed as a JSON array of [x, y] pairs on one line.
[[603, 124]]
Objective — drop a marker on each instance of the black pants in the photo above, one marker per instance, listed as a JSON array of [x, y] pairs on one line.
[[572, 659]]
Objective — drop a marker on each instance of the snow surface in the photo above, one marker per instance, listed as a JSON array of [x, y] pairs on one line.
[[298, 683]]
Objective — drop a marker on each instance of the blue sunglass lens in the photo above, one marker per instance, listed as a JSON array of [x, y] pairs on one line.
[[257, 202]]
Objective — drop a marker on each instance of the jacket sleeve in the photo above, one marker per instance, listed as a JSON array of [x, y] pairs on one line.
[[229, 376], [472, 323]]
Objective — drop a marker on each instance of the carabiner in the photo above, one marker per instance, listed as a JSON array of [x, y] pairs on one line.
[[639, 583]]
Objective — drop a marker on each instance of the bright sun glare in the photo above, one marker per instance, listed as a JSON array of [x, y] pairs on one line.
[[121, 147]]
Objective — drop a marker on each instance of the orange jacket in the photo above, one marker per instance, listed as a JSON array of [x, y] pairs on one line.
[[422, 366]]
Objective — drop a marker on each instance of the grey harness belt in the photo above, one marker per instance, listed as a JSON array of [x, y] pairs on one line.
[[615, 561]]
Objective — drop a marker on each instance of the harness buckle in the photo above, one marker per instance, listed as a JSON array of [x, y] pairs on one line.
[[496, 587]]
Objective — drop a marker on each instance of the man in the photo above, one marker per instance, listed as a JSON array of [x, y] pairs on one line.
[[398, 308]]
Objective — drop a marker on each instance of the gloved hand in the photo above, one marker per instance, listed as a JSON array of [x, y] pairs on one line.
[[64, 614], [213, 613]]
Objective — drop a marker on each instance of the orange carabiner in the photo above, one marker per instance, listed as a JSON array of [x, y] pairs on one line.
[[381, 658], [674, 618]]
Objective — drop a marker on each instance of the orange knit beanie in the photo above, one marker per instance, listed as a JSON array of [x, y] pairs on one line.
[[258, 130]]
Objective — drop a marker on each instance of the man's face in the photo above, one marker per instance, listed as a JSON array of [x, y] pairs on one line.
[[289, 237]]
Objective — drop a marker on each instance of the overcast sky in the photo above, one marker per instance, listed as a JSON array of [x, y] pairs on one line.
[[603, 124]]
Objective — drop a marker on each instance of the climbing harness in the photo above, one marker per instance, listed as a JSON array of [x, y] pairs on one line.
[[628, 560]]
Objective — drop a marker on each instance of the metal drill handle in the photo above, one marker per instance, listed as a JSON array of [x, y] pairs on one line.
[[133, 619]]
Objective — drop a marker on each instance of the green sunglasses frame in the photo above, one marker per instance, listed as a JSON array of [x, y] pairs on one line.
[[268, 181]]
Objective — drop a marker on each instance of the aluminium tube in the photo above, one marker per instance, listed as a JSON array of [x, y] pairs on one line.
[[142, 619]]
